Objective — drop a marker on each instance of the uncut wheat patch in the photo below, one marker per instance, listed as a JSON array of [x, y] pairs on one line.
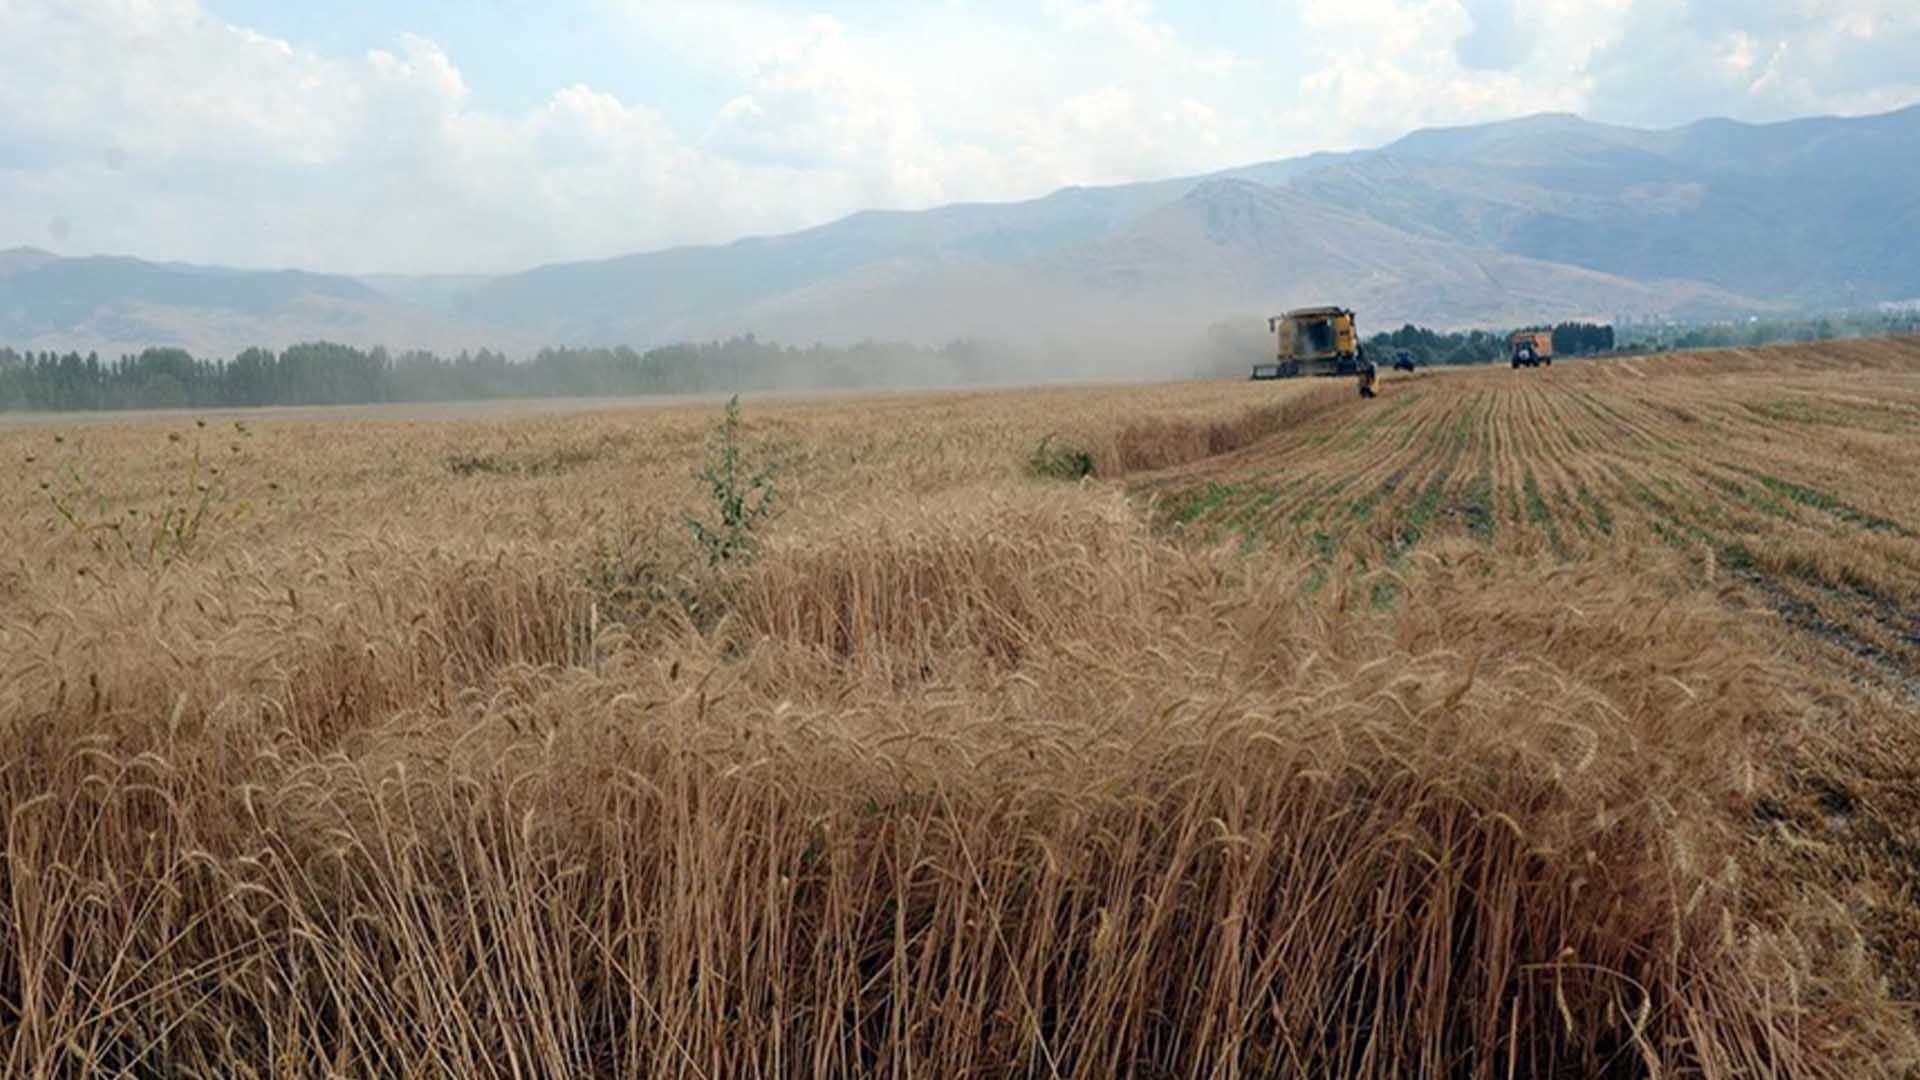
[[1103, 806], [968, 772]]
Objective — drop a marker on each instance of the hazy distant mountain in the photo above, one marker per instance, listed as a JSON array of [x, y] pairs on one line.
[[434, 292], [1812, 212], [19, 259], [116, 304], [1544, 217], [1247, 243], [700, 290], [1226, 246]]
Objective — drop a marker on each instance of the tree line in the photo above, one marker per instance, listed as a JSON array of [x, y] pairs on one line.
[[324, 373], [1431, 347], [1594, 339], [1754, 332]]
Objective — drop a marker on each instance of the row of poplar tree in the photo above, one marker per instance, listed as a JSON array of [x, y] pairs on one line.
[[331, 374]]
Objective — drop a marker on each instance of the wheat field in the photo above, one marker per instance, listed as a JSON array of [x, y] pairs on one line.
[[1544, 723]]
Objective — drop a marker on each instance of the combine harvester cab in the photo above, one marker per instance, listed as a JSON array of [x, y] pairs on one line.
[[1313, 341]]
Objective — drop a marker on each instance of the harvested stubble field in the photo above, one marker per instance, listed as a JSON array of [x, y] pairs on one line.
[[1514, 724]]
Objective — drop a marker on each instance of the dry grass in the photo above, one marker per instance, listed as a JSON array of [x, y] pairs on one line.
[[438, 752]]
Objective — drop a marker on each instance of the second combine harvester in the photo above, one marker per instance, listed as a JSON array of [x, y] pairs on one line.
[[1318, 341]]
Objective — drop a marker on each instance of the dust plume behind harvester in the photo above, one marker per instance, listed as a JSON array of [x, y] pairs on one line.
[[1317, 341]]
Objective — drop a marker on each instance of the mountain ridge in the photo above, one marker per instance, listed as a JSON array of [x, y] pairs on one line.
[[1520, 219]]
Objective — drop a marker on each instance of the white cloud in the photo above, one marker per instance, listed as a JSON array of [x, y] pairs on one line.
[[1382, 67], [153, 127], [1668, 61]]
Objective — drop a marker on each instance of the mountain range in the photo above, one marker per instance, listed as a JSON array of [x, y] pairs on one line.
[[1545, 217]]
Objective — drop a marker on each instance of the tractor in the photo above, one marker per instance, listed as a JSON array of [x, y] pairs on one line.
[[1531, 348]]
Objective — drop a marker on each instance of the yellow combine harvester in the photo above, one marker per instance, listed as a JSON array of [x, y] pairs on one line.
[[1317, 341]]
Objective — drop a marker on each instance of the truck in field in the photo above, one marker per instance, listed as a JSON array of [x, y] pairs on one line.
[[1531, 348], [1313, 341]]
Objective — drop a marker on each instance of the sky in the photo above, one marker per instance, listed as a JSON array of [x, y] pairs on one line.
[[436, 136]]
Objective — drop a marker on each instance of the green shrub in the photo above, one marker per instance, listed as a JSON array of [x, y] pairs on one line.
[[742, 494]]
